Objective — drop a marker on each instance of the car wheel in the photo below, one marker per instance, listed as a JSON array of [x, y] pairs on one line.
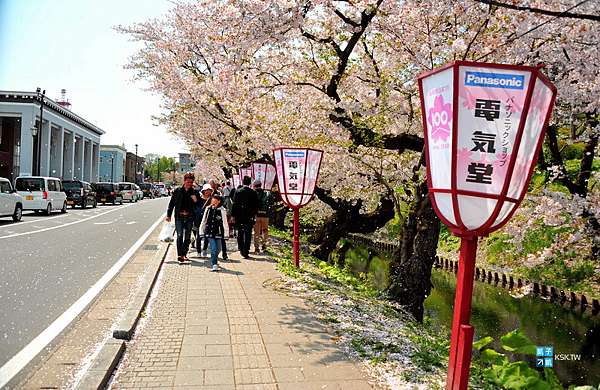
[[95, 204], [18, 214], [48, 210], [83, 204], [114, 202], [121, 202], [64, 208]]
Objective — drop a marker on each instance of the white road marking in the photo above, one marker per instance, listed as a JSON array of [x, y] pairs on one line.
[[63, 225], [24, 356], [130, 223], [102, 223]]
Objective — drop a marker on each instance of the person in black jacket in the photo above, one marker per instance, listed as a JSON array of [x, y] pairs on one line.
[[214, 228], [243, 212], [183, 203]]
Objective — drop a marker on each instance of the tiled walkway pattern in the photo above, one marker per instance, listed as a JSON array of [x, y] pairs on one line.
[[225, 330]]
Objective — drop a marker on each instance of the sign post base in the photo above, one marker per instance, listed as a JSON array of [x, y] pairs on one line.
[[462, 333]]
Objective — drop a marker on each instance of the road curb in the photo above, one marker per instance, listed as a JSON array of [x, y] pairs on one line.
[[104, 364], [126, 327]]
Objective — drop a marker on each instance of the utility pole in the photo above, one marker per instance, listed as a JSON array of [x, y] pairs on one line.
[[112, 168], [158, 169], [135, 180]]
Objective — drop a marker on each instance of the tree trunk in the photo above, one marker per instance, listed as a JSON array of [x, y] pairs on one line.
[[348, 219], [411, 268]]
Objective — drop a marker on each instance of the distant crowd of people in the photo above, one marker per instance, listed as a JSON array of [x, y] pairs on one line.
[[207, 215]]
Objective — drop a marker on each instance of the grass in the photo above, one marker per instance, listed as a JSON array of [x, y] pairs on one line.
[[372, 315]]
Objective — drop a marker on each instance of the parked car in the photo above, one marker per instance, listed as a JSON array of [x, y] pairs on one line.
[[108, 193], [128, 191], [138, 192], [42, 194], [147, 190], [79, 193], [162, 190], [11, 203]]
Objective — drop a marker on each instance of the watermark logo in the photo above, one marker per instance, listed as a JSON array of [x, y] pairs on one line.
[[494, 80], [544, 356]]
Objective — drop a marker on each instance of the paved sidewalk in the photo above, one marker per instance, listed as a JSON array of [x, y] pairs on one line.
[[224, 330]]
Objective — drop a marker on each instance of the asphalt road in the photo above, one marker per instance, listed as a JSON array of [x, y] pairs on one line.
[[47, 263]]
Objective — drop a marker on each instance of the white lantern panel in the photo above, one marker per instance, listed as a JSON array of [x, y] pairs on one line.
[[538, 109], [474, 211], [236, 181], [444, 204], [277, 155], [437, 95], [269, 177], [312, 171], [490, 107], [297, 172], [245, 172], [507, 207]]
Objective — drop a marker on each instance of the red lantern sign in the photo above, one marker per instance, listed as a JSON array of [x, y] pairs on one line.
[[265, 173], [484, 125], [297, 175], [237, 181], [246, 171]]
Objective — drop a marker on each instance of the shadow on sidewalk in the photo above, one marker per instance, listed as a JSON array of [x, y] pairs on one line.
[[206, 264]]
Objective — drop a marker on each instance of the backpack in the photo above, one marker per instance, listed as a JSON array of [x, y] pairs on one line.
[[264, 203]]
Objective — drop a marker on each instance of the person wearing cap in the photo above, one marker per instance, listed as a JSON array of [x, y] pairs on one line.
[[245, 205], [182, 203], [214, 228], [205, 195], [261, 227]]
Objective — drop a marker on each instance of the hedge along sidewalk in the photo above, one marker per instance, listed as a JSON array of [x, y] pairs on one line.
[[68, 359], [226, 330]]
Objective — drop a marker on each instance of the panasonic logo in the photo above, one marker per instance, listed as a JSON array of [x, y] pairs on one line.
[[494, 80]]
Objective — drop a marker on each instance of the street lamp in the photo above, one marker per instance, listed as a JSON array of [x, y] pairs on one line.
[[136, 165], [484, 125], [38, 134]]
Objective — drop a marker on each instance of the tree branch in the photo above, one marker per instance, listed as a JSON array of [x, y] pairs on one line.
[[562, 14]]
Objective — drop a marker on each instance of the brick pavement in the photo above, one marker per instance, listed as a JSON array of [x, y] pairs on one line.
[[224, 330]]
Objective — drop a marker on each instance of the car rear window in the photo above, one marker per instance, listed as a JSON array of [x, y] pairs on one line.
[[71, 185], [104, 187], [30, 184]]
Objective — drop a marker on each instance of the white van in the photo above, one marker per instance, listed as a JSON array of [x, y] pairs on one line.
[[11, 203], [41, 194]]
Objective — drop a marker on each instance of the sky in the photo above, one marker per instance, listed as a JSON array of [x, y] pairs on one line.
[[71, 44]]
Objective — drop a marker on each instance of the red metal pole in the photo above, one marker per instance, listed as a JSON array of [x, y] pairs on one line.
[[462, 333], [297, 236]]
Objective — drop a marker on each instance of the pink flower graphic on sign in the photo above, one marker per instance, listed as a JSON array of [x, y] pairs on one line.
[[468, 99], [440, 119]]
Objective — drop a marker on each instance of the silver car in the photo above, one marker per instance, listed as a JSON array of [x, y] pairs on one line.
[[128, 192]]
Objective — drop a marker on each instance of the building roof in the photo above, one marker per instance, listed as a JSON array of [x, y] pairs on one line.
[[112, 147], [34, 97]]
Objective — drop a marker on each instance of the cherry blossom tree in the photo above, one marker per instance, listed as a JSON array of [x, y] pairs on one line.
[[239, 77]]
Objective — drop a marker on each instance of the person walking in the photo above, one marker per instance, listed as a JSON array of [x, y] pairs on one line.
[[245, 205], [205, 196], [183, 203], [214, 228], [261, 227]]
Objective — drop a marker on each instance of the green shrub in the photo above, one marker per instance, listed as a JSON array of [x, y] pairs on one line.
[[357, 260], [379, 273]]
